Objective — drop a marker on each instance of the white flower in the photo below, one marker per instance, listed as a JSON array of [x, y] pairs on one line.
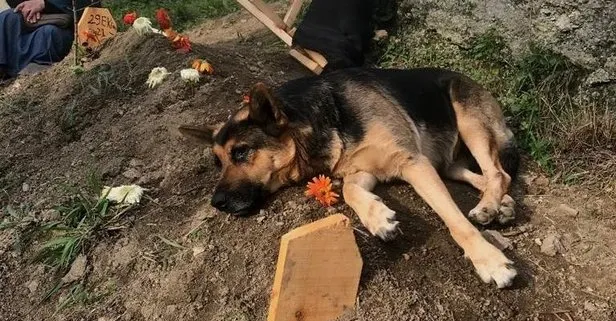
[[129, 194], [143, 25], [156, 77], [189, 75]]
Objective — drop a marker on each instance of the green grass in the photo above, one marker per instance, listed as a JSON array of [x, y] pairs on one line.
[[184, 14], [537, 91], [83, 219]]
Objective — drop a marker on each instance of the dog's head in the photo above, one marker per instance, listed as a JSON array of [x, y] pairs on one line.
[[253, 149]]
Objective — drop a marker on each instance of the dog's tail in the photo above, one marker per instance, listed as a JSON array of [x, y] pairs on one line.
[[509, 156]]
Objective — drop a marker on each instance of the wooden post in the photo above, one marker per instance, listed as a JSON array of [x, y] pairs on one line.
[[76, 61], [294, 8], [284, 30], [254, 10], [318, 271]]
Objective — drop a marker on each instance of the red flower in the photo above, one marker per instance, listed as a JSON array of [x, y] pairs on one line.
[[162, 16], [321, 189], [182, 44], [129, 18]]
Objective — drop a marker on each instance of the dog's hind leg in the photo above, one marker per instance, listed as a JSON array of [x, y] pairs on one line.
[[459, 172], [490, 263], [376, 217], [482, 128]]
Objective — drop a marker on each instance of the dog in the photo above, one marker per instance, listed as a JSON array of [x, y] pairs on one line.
[[367, 126]]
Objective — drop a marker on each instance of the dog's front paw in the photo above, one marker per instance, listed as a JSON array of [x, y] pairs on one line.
[[381, 222], [492, 265]]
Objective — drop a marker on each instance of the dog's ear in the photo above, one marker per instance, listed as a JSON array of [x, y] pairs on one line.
[[266, 110], [202, 134]]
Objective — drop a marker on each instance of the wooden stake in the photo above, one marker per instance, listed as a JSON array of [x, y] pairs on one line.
[[254, 10], [318, 271], [76, 61], [294, 8], [306, 61], [269, 12]]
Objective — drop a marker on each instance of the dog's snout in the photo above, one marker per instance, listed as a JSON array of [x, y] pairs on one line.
[[219, 200]]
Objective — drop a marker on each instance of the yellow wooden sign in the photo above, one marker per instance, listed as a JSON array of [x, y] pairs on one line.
[[95, 26]]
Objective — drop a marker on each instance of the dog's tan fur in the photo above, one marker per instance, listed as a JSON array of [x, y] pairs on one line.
[[394, 147]]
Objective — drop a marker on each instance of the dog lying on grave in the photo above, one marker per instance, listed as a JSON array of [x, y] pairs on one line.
[[367, 126]]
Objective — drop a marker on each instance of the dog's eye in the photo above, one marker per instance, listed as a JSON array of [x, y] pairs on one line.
[[240, 154]]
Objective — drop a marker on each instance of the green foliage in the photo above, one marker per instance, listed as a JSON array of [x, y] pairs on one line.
[[83, 218], [184, 14]]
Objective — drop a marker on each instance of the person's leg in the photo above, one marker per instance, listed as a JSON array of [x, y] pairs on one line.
[[10, 29], [47, 44]]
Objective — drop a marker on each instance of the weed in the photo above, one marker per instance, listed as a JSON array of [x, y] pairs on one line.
[[84, 218], [489, 47]]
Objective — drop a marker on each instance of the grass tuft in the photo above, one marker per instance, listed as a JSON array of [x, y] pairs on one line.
[[83, 218]]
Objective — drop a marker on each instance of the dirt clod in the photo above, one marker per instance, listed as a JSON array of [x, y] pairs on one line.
[[566, 210], [497, 239], [552, 245], [77, 271]]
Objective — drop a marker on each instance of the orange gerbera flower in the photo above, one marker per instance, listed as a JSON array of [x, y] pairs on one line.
[[321, 189], [202, 66]]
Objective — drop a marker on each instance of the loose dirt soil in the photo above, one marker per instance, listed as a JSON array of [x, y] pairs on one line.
[[58, 126]]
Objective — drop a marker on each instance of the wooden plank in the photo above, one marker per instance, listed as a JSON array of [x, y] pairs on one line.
[[306, 61], [318, 271], [95, 27], [285, 37], [269, 12], [316, 57], [294, 8]]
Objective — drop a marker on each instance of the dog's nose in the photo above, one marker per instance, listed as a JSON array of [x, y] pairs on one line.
[[219, 200]]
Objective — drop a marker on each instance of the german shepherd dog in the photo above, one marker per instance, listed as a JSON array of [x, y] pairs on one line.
[[367, 126]]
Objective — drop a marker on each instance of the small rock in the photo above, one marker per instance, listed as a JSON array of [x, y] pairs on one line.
[[380, 35], [542, 181], [406, 256], [589, 306], [198, 250], [279, 223], [552, 245], [50, 215], [292, 204], [135, 163], [563, 23], [597, 77], [25, 187], [77, 271], [497, 239], [260, 219], [331, 210], [131, 173], [564, 209], [32, 286], [538, 241]]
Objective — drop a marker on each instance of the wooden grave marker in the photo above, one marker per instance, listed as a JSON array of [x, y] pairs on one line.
[[95, 26], [318, 271]]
